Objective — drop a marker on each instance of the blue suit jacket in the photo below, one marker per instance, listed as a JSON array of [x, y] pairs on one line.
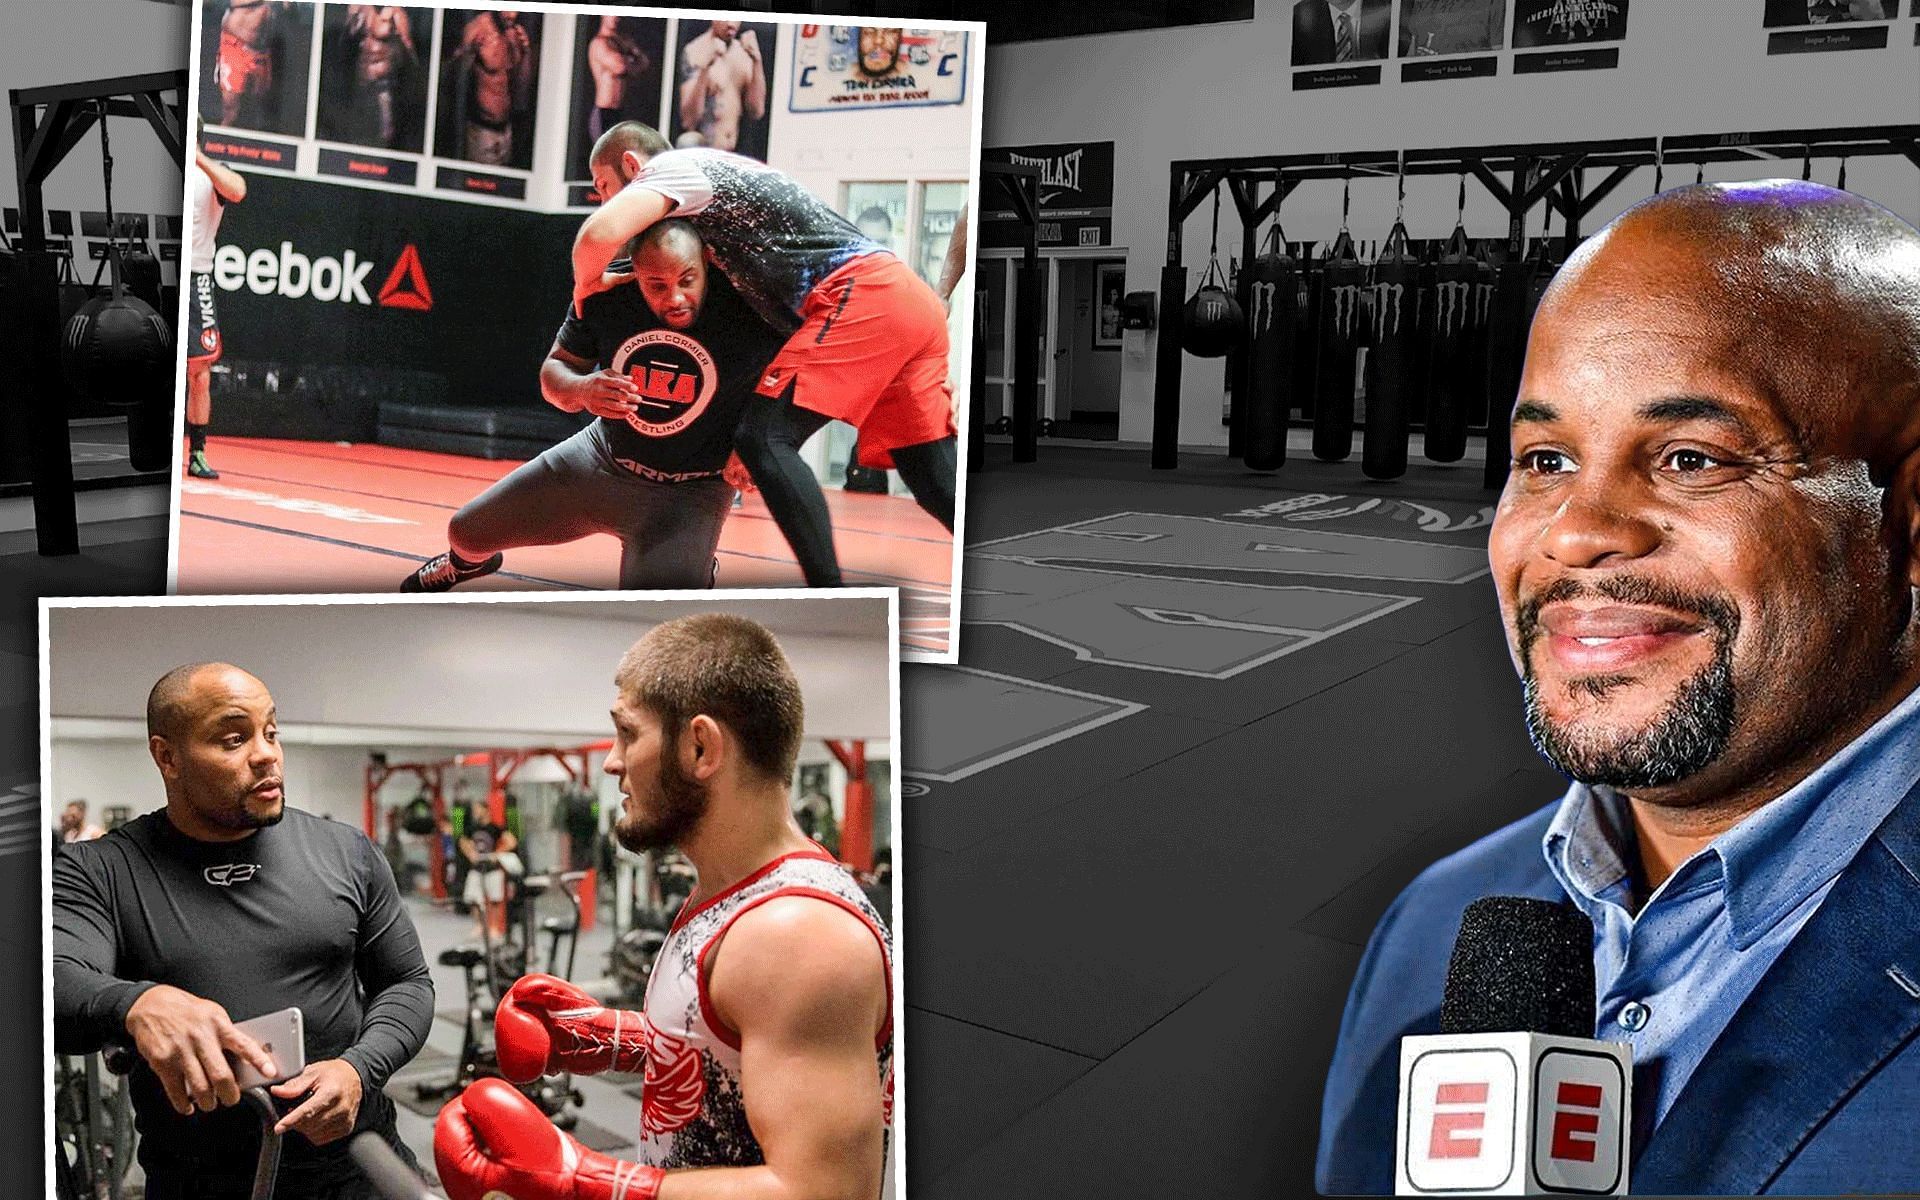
[[1813, 1088]]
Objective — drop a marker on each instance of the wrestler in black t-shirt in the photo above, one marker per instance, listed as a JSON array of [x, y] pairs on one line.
[[694, 383], [303, 912], [667, 364]]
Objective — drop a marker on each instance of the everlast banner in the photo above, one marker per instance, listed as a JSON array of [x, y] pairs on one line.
[[1076, 195], [310, 274]]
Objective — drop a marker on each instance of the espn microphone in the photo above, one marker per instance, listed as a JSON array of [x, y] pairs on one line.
[[1515, 1097]]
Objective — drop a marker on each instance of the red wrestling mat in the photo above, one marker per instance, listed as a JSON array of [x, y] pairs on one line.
[[319, 517]]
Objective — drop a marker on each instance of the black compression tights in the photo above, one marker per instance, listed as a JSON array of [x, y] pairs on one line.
[[928, 469], [769, 442]]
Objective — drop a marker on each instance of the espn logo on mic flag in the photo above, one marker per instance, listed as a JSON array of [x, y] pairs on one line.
[[1512, 1114]]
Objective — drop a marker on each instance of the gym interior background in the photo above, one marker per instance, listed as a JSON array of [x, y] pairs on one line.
[[95, 41], [1208, 720], [454, 704]]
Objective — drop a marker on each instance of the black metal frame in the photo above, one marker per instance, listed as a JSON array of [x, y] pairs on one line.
[[48, 122], [1021, 186], [1520, 177]]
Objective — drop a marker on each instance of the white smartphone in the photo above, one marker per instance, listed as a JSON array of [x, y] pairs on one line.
[[284, 1036]]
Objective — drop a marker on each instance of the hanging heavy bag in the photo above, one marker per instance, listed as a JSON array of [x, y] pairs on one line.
[[1506, 345], [116, 350], [150, 422], [1213, 322], [1486, 280], [1343, 277], [1422, 364], [1393, 359], [1306, 327], [1451, 383], [1213, 319], [1272, 298]]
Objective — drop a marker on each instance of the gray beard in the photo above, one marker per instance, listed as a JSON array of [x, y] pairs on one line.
[[1684, 740]]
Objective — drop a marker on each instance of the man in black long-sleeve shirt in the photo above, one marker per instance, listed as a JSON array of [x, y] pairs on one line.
[[223, 906]]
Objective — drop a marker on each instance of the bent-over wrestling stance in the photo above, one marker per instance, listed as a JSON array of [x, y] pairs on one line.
[[667, 363]]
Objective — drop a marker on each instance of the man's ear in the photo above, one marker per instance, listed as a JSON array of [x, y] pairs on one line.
[[703, 748], [163, 757]]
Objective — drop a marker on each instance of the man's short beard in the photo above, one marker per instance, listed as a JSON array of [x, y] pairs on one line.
[[677, 805], [1686, 738], [241, 817]]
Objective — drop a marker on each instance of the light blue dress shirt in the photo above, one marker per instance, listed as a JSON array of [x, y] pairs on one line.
[[1671, 976]]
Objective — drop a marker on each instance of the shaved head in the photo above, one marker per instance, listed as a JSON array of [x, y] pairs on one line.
[[1708, 549], [171, 703], [675, 238], [637, 136], [1821, 285]]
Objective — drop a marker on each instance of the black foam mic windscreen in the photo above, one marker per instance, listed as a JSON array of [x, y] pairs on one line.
[[1521, 965]]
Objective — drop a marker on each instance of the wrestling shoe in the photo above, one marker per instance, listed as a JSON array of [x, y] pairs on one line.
[[198, 468], [440, 573]]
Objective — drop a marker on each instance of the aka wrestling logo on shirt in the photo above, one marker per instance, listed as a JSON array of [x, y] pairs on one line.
[[228, 874], [676, 377]]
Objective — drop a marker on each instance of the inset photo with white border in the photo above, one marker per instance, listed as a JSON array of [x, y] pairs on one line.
[[420, 353], [344, 884]]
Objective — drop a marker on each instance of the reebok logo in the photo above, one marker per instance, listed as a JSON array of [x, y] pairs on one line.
[[228, 874], [297, 276], [406, 285]]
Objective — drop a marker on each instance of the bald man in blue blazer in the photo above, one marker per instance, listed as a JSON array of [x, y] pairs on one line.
[[1707, 558]]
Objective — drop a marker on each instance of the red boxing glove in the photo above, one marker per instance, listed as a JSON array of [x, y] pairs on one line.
[[490, 1139], [546, 1024]]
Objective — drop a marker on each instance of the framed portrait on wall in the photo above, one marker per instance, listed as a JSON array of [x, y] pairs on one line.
[[1109, 285], [488, 71], [374, 60], [1548, 23], [1828, 12], [618, 65], [721, 74], [253, 73]]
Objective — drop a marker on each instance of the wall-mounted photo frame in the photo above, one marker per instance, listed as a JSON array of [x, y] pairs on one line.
[[1110, 284]]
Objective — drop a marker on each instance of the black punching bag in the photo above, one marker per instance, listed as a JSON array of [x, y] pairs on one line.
[[1306, 327], [1451, 383], [1394, 360], [149, 423], [1506, 348], [1212, 324], [1272, 304], [1343, 277]]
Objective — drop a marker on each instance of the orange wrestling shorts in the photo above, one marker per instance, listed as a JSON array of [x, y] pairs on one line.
[[871, 351]]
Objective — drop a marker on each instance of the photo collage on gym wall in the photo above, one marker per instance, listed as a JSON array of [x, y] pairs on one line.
[[1343, 43], [701, 83], [449, 98], [398, 273]]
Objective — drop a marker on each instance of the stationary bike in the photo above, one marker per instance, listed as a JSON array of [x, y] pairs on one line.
[[490, 970]]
